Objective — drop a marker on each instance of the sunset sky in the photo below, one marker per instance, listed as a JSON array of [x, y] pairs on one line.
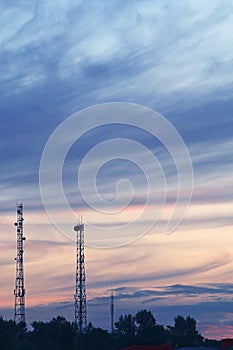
[[174, 57]]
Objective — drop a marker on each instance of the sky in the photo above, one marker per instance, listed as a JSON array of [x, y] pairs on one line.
[[159, 76]]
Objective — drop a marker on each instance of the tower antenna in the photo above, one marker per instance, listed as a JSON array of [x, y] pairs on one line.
[[112, 312], [80, 290], [19, 291]]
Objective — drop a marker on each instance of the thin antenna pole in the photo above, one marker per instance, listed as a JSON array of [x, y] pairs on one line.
[[19, 290], [112, 312]]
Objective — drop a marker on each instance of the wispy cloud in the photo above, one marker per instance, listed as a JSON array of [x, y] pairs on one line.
[[199, 301], [122, 40]]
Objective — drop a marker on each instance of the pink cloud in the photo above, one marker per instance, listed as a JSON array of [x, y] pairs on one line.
[[216, 331]]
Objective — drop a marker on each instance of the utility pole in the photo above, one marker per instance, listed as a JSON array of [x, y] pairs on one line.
[[19, 291], [80, 290]]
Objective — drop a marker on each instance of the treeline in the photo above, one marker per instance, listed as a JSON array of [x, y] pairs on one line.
[[140, 329]]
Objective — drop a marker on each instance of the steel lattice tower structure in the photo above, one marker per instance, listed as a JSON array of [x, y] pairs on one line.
[[19, 291], [80, 291]]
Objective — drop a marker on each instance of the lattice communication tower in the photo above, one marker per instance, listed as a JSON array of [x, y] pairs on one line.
[[80, 291], [19, 291]]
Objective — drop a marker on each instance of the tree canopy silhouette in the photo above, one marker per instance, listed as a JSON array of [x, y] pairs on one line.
[[184, 332], [60, 334]]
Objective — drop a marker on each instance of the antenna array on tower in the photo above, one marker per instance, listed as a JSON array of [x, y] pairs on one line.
[[19, 291], [80, 291]]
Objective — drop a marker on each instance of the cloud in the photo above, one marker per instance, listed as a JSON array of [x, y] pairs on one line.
[[103, 56], [122, 39], [165, 306]]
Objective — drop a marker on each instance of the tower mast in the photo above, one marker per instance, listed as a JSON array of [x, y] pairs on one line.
[[80, 290], [19, 291], [112, 312]]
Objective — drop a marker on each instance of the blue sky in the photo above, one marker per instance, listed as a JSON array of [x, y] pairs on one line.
[[174, 57]]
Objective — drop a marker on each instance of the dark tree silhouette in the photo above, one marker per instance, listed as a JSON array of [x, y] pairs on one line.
[[7, 334], [56, 334], [148, 331], [94, 338], [144, 320], [180, 324], [126, 325], [140, 329], [60, 334], [184, 332]]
